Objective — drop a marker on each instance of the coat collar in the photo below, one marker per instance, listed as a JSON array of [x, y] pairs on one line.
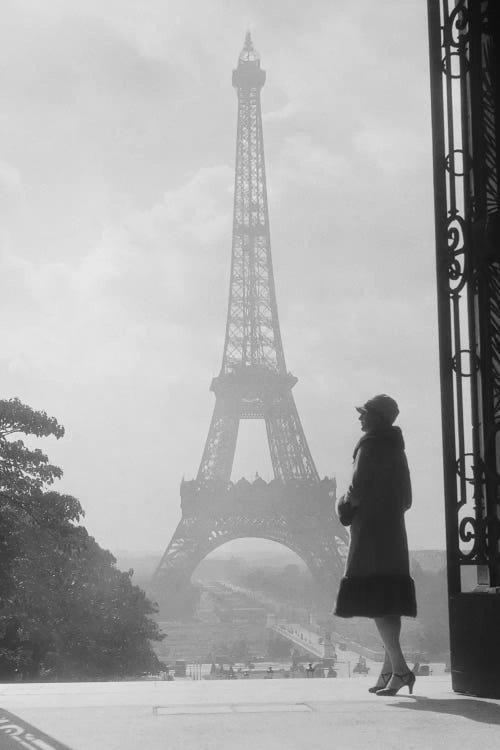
[[391, 435]]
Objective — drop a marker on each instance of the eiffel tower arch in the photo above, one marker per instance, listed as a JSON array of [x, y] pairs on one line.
[[296, 508]]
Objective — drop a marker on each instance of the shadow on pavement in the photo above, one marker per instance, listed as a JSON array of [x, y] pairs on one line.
[[16, 733], [470, 708]]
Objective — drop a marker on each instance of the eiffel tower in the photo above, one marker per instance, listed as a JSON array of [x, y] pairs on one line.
[[296, 508]]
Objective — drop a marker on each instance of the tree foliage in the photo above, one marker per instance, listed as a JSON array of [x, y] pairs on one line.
[[66, 612]]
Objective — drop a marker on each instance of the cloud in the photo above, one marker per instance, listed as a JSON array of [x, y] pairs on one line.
[[308, 164], [10, 179], [95, 316], [392, 148]]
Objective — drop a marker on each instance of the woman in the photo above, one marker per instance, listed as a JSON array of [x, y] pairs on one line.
[[377, 580]]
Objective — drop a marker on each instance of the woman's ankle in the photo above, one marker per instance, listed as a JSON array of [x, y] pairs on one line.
[[401, 670]]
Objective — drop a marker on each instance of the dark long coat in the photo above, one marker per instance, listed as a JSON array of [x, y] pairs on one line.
[[377, 578]]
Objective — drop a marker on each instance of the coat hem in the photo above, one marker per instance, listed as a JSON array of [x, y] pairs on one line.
[[376, 596]]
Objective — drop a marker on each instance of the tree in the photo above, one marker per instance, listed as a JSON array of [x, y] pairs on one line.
[[23, 474], [65, 610]]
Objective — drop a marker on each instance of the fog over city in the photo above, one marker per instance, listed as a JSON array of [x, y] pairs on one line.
[[117, 133]]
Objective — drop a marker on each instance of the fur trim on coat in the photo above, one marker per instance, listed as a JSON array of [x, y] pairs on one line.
[[376, 596]]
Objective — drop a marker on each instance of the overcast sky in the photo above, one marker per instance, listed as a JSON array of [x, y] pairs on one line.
[[117, 143]]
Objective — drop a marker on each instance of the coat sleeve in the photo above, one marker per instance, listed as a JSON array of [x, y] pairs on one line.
[[406, 493], [362, 477]]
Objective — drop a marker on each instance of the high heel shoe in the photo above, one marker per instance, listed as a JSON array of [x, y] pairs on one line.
[[407, 680], [385, 677]]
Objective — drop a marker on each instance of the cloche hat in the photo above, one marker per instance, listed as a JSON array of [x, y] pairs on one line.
[[382, 405]]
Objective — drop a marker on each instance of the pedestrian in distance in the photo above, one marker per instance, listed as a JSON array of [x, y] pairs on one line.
[[377, 581]]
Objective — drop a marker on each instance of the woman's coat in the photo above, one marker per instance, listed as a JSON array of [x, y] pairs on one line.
[[377, 573]]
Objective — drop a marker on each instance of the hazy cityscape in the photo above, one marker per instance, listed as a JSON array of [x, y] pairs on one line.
[[237, 599]]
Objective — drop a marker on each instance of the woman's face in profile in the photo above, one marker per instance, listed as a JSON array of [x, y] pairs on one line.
[[363, 420], [369, 421]]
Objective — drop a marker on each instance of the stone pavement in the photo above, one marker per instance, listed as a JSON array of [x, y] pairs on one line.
[[297, 714]]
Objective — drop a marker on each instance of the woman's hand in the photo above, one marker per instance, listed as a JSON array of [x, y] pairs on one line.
[[345, 510]]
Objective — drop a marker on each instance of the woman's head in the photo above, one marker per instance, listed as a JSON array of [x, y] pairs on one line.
[[378, 412]]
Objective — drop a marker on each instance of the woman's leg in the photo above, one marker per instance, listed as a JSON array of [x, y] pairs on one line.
[[385, 672], [389, 628], [387, 665]]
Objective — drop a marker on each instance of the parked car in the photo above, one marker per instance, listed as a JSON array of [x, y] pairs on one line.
[[360, 667]]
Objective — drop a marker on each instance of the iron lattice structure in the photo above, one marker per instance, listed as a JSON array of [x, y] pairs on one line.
[[465, 85], [296, 508]]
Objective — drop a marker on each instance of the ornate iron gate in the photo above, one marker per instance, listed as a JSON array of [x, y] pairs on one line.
[[464, 60]]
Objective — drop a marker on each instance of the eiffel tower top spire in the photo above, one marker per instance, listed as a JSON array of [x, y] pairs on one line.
[[249, 53], [248, 75]]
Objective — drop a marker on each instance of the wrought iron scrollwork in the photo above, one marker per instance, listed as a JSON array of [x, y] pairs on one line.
[[482, 534], [469, 533], [451, 64], [456, 29], [466, 468], [455, 233], [457, 365], [451, 161]]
